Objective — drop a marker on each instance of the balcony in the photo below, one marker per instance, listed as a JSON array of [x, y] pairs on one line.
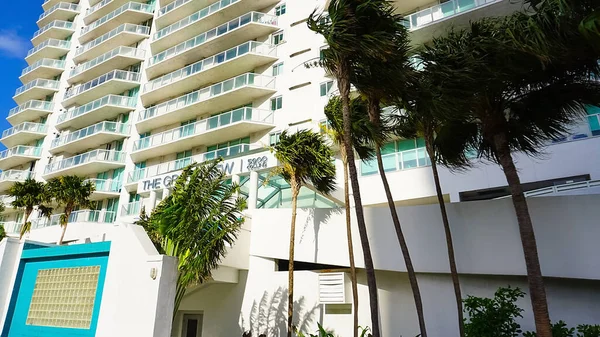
[[233, 124], [7, 200], [8, 178], [29, 111], [124, 35], [216, 68], [103, 8], [222, 96], [114, 82], [90, 137], [105, 108], [11, 227], [105, 188], [23, 133], [19, 155], [132, 208], [204, 19], [62, 11], [51, 49], [117, 58], [36, 89], [86, 164], [131, 12], [44, 68], [177, 10], [84, 216], [244, 28], [58, 30], [49, 3]]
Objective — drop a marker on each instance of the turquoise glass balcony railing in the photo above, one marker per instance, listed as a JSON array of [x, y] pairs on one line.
[[63, 44], [113, 75], [41, 83], [106, 185], [21, 150], [15, 175], [134, 6], [120, 51], [211, 62], [113, 127], [443, 11], [84, 158], [172, 6], [34, 104], [213, 34], [207, 93], [55, 24], [27, 127], [128, 27], [50, 63], [132, 208], [398, 161], [121, 101], [60, 5], [77, 216]]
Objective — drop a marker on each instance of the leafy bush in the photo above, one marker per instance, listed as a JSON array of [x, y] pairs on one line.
[[559, 329], [586, 330], [494, 317]]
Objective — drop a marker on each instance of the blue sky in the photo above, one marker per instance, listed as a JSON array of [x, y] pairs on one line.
[[17, 25]]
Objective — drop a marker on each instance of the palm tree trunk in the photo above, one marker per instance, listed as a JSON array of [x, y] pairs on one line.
[[449, 243], [179, 293], [537, 290], [295, 190], [374, 116], [64, 225], [350, 245], [344, 88], [24, 229]]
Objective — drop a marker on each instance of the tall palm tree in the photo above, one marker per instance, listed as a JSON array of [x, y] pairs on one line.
[[361, 134], [28, 195], [196, 223], [304, 158], [517, 100], [72, 192], [349, 30]]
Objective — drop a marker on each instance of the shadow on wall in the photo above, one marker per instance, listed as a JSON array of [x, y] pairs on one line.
[[269, 316], [317, 220]]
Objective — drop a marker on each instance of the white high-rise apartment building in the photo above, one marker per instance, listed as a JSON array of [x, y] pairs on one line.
[[127, 93]]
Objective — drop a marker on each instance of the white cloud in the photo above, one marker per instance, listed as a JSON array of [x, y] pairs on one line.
[[12, 45]]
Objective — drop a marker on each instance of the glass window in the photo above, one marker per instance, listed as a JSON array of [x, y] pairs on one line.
[[277, 38], [274, 138], [276, 103], [278, 69], [280, 10], [325, 88]]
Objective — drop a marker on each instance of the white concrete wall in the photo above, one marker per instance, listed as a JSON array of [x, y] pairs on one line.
[[10, 253]]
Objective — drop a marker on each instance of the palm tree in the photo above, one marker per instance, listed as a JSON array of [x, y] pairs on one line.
[[72, 192], [2, 229], [28, 195], [349, 30], [361, 133], [196, 223], [516, 99], [304, 158]]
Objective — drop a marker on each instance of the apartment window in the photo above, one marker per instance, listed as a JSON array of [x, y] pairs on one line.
[[229, 148], [183, 159], [277, 38], [593, 116], [399, 155], [276, 103], [280, 10], [278, 69], [325, 88], [322, 52], [274, 138]]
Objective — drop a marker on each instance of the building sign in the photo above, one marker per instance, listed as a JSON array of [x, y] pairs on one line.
[[240, 165]]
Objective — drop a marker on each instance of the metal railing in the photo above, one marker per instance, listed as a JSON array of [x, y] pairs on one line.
[[60, 5], [134, 6], [55, 24], [172, 6], [127, 27], [58, 64], [113, 75], [563, 188], [27, 127], [119, 51], [15, 175], [248, 79], [197, 16], [132, 208], [84, 158], [106, 185], [63, 44], [77, 216], [113, 127], [203, 126], [442, 11], [115, 100], [41, 83], [211, 62], [213, 34], [33, 104], [21, 150]]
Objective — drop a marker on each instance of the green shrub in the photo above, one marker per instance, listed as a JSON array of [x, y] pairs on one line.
[[586, 330], [494, 317]]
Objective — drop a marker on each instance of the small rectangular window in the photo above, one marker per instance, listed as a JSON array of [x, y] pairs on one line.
[[280, 10], [276, 103], [325, 88], [278, 69], [277, 38], [274, 138]]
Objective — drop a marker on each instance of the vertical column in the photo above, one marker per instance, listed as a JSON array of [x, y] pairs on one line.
[[253, 190], [166, 193], [151, 202]]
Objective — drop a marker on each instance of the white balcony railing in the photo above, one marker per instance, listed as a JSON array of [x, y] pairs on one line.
[[443, 11], [15, 175], [55, 24], [106, 185], [120, 51], [33, 104], [172, 6], [113, 75], [211, 62], [132, 208], [77, 216], [62, 44], [113, 100], [21, 150], [11, 227], [248, 79], [134, 6], [40, 83], [50, 63], [85, 158], [127, 27], [252, 17], [112, 127], [27, 127], [60, 5]]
